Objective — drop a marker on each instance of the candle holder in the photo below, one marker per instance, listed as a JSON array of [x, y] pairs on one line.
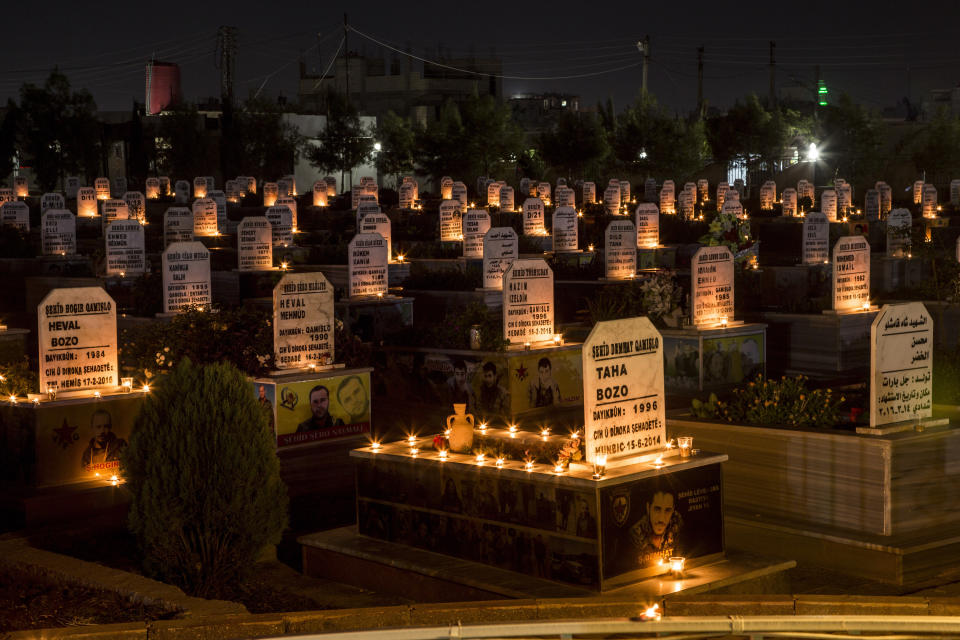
[[52, 390], [685, 444], [375, 446], [599, 467], [443, 455], [127, 384], [676, 566]]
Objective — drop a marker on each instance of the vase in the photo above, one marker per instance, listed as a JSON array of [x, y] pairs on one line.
[[460, 426]]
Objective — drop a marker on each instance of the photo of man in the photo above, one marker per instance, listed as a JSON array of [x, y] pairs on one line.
[[266, 406], [104, 446], [458, 388], [320, 417], [655, 534], [544, 390], [494, 399], [352, 396]]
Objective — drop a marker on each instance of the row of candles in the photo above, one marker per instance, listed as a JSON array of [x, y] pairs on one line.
[[126, 385]]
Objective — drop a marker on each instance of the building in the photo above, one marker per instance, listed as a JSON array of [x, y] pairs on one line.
[[536, 112]]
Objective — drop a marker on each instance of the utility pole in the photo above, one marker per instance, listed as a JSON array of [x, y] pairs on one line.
[[226, 60], [644, 47], [773, 66], [346, 54], [700, 105]]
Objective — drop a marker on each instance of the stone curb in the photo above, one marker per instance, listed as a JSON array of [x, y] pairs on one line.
[[241, 626]]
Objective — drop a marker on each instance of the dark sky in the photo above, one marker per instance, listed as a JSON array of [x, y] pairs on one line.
[[877, 55]]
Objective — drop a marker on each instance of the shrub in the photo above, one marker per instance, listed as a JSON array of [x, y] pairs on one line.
[[787, 402], [205, 480]]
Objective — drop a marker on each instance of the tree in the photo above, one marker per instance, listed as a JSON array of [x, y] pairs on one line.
[[852, 137], [344, 143], [259, 142], [748, 132], [185, 150], [58, 130], [649, 140], [397, 143], [8, 138], [440, 147], [575, 142], [205, 480], [937, 148]]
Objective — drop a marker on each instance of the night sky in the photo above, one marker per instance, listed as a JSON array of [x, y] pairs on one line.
[[876, 55]]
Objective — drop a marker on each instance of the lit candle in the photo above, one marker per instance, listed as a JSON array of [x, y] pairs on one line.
[[127, 384], [442, 455], [558, 468], [599, 466], [676, 566], [528, 466], [96, 394], [499, 463], [685, 443], [480, 458], [146, 388], [483, 427], [658, 462], [375, 446]]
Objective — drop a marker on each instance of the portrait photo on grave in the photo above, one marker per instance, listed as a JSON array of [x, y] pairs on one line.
[[320, 409], [681, 363], [733, 359], [647, 521], [266, 394], [546, 381]]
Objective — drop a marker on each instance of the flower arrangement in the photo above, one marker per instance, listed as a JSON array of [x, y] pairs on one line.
[[728, 230], [549, 451], [787, 402]]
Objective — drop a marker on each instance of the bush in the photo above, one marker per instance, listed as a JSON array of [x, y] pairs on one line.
[[205, 480], [774, 403]]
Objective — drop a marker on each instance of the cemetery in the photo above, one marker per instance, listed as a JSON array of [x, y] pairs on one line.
[[506, 390]]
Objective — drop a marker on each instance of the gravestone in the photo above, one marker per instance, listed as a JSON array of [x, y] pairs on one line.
[[113, 209], [899, 223], [533, 217], [647, 219], [703, 189], [177, 225], [6, 195], [58, 233], [917, 191], [71, 184], [379, 223], [164, 185], [624, 192], [768, 193], [87, 202], [506, 198], [205, 217], [685, 204], [528, 188], [589, 193], [738, 187], [21, 187], [303, 321], [281, 225], [331, 186], [365, 208], [886, 198], [493, 194], [446, 188], [254, 244], [367, 265], [650, 190], [828, 204], [15, 214], [611, 200], [118, 186], [528, 301], [722, 189], [151, 187], [901, 364], [845, 197], [199, 187], [77, 336], [624, 412], [851, 274], [406, 196], [181, 192], [476, 223], [928, 201], [955, 193], [805, 189], [871, 205], [232, 191], [211, 183], [732, 207], [271, 192], [459, 193], [136, 206], [186, 277], [620, 250], [52, 201], [125, 253], [499, 250], [816, 238], [291, 203], [284, 188], [566, 235], [788, 202], [667, 198], [543, 191], [451, 221], [220, 200], [711, 286]]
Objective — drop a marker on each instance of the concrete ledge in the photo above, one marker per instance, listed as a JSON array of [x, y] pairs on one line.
[[861, 605], [710, 605]]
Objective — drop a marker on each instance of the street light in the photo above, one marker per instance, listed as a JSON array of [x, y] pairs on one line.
[[377, 146], [813, 154]]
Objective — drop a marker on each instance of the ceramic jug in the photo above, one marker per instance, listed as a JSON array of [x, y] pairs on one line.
[[460, 426]]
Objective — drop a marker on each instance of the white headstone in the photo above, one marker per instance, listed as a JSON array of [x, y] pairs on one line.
[[851, 274], [164, 185], [589, 193], [623, 396], [367, 265], [254, 244], [6, 195], [928, 201], [379, 223], [917, 191], [406, 196], [281, 224], [291, 203], [805, 189], [186, 277], [125, 248], [816, 238], [667, 198], [871, 205], [624, 192], [901, 364], [87, 202], [211, 183], [70, 186], [493, 194], [58, 233], [650, 190], [151, 187], [533, 217], [686, 203], [102, 187], [732, 207], [528, 301], [271, 192], [543, 191], [476, 223], [845, 197], [506, 199], [788, 202], [499, 250], [620, 250], [647, 219], [711, 286], [118, 186], [177, 225], [20, 187], [566, 235], [77, 334], [899, 223], [459, 193], [446, 188], [886, 198], [220, 200], [319, 193], [828, 204], [136, 206], [205, 217], [955, 193], [113, 209], [611, 200], [703, 189], [451, 222], [722, 189], [52, 201], [15, 214], [768, 193], [181, 192], [331, 186], [303, 321], [199, 187], [284, 188], [365, 208]]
